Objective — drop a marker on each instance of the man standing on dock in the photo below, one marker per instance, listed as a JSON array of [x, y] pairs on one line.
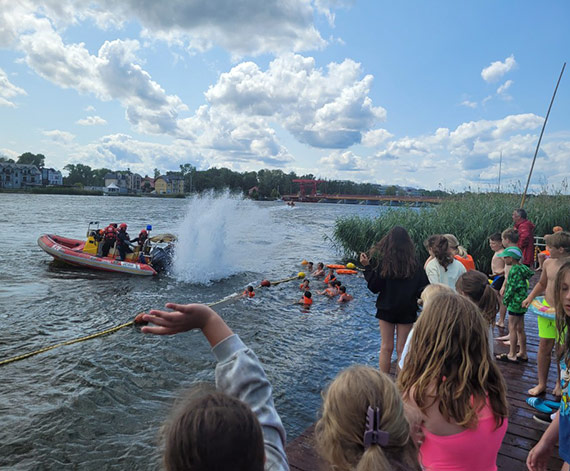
[[525, 228]]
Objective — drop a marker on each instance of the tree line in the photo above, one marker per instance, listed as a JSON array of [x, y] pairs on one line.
[[262, 184]]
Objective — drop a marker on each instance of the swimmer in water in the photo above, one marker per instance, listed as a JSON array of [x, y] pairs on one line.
[[248, 293], [344, 296]]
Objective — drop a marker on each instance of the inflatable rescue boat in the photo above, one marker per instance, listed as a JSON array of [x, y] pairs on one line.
[[84, 254]]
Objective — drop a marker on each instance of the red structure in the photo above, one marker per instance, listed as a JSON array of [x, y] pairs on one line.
[[307, 185]]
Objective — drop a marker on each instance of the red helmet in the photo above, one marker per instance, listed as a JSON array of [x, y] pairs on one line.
[[144, 232], [123, 226]]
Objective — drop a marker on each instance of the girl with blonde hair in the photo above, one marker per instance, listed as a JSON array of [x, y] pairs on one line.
[[363, 426], [449, 375]]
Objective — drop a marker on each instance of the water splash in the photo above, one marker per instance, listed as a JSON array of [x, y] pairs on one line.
[[221, 235]]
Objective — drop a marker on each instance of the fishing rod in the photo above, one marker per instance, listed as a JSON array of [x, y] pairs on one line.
[[540, 138]]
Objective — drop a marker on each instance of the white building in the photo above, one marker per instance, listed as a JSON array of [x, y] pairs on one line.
[[127, 182], [16, 176]]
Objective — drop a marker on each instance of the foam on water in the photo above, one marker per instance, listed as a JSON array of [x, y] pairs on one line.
[[221, 235]]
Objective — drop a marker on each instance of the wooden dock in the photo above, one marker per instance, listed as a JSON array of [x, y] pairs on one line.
[[523, 431]]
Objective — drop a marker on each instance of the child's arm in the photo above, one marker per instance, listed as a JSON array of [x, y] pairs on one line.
[[238, 373], [539, 288], [537, 459]]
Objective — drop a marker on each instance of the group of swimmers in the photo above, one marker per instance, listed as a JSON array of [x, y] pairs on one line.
[[333, 286]]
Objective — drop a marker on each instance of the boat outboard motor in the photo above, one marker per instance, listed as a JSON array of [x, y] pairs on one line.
[[161, 257]]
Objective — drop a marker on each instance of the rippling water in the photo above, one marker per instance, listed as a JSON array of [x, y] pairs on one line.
[[99, 404]]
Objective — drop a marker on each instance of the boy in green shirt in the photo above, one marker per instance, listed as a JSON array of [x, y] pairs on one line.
[[515, 293]]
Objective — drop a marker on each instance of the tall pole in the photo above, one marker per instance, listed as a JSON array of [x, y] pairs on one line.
[[500, 164], [540, 138]]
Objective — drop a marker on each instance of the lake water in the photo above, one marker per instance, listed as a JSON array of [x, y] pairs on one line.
[[99, 404]]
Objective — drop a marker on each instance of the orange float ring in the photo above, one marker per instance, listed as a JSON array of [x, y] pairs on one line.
[[336, 267], [346, 271]]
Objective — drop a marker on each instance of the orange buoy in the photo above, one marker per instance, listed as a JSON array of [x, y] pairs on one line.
[[345, 271], [265, 283], [336, 267]]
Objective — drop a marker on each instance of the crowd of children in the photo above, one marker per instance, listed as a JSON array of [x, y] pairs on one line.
[[448, 409]]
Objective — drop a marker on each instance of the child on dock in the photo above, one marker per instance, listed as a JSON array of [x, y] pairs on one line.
[[559, 246], [515, 293], [219, 430], [399, 279], [498, 272], [450, 378], [363, 425], [559, 429]]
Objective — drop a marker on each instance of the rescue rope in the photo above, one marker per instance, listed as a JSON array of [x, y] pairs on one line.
[[122, 326]]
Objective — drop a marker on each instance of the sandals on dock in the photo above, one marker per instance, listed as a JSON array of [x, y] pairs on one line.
[[543, 405], [504, 357]]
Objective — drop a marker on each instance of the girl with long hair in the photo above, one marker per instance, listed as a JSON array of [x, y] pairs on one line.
[[399, 279], [559, 429], [363, 426], [450, 376], [442, 268]]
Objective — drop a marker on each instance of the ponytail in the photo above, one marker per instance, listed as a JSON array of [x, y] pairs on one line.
[[439, 245], [475, 285], [373, 459]]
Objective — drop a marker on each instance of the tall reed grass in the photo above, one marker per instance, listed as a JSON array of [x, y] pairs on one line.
[[472, 218]]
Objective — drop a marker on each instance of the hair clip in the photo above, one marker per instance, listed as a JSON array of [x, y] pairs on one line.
[[373, 434]]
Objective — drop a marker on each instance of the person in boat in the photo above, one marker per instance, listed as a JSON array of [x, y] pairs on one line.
[[123, 242], [109, 239], [141, 240]]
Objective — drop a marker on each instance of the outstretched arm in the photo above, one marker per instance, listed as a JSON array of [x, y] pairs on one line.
[[537, 459], [186, 317]]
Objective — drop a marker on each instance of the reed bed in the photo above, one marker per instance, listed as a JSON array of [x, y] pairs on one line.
[[471, 217]]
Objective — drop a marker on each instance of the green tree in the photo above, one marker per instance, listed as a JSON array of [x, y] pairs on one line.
[[99, 176], [32, 159], [3, 158], [78, 174], [156, 173]]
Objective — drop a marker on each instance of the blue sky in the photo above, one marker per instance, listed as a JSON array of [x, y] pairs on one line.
[[426, 94]]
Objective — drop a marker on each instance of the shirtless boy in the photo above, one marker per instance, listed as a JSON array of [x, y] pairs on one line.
[[498, 271], [559, 246]]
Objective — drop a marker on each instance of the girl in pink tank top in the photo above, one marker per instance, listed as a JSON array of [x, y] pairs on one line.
[[464, 417]]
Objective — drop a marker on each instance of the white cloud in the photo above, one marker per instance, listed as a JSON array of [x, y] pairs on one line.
[[497, 69], [329, 110], [469, 104], [91, 121], [375, 137], [90, 109], [8, 90], [59, 137], [344, 161], [504, 87]]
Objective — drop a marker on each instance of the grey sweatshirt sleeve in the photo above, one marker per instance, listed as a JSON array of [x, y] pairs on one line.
[[240, 374]]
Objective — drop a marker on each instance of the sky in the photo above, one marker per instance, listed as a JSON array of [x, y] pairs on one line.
[[436, 95]]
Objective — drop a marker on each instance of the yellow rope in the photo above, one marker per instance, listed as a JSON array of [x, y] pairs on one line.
[[69, 342], [111, 330]]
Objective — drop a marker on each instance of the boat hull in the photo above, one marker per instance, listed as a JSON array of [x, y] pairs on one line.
[[71, 251]]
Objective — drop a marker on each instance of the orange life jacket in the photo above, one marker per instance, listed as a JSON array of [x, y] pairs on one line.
[[307, 301], [467, 262], [250, 294], [330, 278], [110, 233]]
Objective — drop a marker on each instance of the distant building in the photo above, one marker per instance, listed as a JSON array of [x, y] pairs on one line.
[[112, 189], [127, 182], [51, 177], [16, 176], [169, 184], [149, 181]]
